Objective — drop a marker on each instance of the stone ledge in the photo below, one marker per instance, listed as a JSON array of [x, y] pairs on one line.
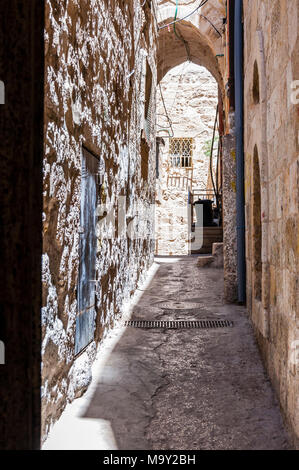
[[215, 260]]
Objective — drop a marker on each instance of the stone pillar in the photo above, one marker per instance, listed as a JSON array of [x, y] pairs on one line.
[[21, 153], [229, 218]]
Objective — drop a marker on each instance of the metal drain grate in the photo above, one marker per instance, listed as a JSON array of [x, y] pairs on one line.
[[179, 324]]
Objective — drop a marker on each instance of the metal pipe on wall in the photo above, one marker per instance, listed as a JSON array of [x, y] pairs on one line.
[[239, 121]]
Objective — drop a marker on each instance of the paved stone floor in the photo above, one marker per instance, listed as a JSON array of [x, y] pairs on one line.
[[180, 389]]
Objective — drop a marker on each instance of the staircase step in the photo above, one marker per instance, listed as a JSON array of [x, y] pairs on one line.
[[205, 261]]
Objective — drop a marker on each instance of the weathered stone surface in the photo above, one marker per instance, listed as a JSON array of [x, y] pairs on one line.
[[191, 97], [96, 54], [201, 389], [205, 260], [215, 260], [271, 139], [217, 253], [229, 217]]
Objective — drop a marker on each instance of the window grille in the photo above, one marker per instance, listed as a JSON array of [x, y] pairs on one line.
[[181, 151]]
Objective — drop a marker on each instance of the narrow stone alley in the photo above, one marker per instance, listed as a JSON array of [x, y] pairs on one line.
[[177, 389], [150, 171]]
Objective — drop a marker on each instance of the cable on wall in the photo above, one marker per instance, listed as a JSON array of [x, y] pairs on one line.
[[166, 112], [180, 37], [211, 155], [163, 127], [187, 16], [179, 83], [212, 24]]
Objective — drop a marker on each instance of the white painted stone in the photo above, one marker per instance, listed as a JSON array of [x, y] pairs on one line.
[[191, 97]]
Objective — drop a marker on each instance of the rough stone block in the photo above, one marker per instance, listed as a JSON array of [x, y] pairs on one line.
[[217, 252]]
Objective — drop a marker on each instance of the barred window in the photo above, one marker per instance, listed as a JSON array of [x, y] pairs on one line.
[[181, 151]]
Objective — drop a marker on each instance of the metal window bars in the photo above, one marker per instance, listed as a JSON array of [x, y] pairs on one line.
[[181, 152]]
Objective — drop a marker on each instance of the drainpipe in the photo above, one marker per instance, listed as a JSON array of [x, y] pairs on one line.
[[239, 109]]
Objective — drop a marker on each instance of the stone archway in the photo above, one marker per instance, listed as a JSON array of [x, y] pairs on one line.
[[200, 38], [194, 38], [196, 48], [188, 95]]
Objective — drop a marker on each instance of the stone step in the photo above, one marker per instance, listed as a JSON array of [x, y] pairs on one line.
[[204, 261], [217, 252], [210, 235], [215, 260]]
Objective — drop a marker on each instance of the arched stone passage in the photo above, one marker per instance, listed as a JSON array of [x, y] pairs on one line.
[[190, 96], [196, 47], [202, 38], [202, 35]]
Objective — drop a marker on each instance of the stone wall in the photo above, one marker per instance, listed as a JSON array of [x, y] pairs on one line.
[[272, 191], [229, 217], [191, 97], [96, 53]]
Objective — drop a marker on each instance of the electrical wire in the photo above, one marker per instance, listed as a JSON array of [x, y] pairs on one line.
[[165, 109], [174, 99], [163, 127], [180, 37], [213, 26], [165, 130], [211, 155], [203, 2], [179, 82], [175, 17], [217, 169]]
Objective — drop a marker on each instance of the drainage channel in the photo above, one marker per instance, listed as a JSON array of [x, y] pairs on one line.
[[179, 324]]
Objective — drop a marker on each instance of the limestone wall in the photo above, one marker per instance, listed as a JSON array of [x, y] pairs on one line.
[[272, 191], [95, 53], [191, 97]]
